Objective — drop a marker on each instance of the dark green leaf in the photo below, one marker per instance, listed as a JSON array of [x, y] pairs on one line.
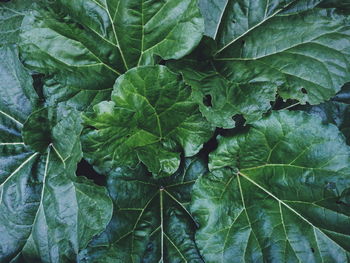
[[15, 88], [336, 111], [276, 194], [151, 222], [11, 16], [220, 99], [292, 48], [47, 214], [343, 5], [86, 44], [58, 126], [151, 118], [80, 99], [212, 11]]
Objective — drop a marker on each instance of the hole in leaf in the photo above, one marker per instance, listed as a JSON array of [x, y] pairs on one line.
[[207, 101], [85, 169], [304, 91]]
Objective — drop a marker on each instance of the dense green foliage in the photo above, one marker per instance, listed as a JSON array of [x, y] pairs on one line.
[[174, 131]]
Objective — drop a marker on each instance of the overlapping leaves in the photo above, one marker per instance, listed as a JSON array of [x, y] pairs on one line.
[[278, 192], [151, 220], [291, 48], [151, 119], [42, 203], [86, 45], [336, 111]]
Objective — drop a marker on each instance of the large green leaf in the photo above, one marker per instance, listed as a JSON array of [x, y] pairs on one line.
[[47, 214], [87, 44], [336, 111], [15, 84], [219, 99], [80, 99], [212, 11], [11, 16], [292, 48], [151, 221], [151, 119], [276, 193]]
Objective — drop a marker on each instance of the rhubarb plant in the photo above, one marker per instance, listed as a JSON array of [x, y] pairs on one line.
[[174, 131]]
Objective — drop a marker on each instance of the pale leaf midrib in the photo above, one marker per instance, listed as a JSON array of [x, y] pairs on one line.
[[252, 28], [240, 174]]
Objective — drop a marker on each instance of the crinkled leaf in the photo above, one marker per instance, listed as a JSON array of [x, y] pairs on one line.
[[11, 16], [151, 221], [151, 119], [219, 99], [47, 214], [292, 48], [87, 44], [307, 61], [276, 194]]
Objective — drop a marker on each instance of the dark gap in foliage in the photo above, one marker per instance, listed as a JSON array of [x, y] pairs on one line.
[[239, 120], [85, 169], [207, 101], [344, 94], [4, 1], [304, 91], [312, 250], [277, 104], [80, 26], [280, 104], [38, 83], [209, 146], [162, 62], [235, 131]]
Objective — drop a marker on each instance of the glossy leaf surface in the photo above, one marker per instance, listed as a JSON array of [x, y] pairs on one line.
[[219, 99], [11, 16], [336, 111], [291, 48], [276, 193], [87, 44], [151, 119], [43, 205], [151, 221]]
